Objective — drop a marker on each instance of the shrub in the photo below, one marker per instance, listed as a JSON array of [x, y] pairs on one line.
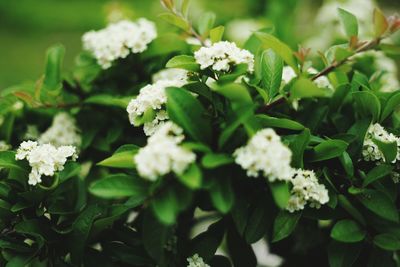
[[118, 162]]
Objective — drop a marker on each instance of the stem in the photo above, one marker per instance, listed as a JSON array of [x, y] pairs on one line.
[[365, 47]]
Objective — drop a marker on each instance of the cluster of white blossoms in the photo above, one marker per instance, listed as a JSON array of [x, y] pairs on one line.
[[306, 189], [45, 159], [222, 55], [196, 261], [265, 153], [163, 153], [62, 132], [289, 74], [151, 97], [370, 150], [118, 40]]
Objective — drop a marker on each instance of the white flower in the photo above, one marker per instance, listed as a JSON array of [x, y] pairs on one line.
[[150, 128], [162, 154], [118, 40], [196, 261], [172, 74], [265, 153], [44, 159], [62, 132], [288, 74], [4, 146], [195, 41], [151, 97], [222, 55], [370, 150], [306, 189]]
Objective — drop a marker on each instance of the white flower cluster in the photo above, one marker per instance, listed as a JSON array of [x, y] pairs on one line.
[[118, 40], [152, 96], [44, 159], [265, 153], [4, 146], [62, 132], [288, 74], [222, 55], [306, 189], [171, 74], [196, 261], [162, 154], [370, 150]]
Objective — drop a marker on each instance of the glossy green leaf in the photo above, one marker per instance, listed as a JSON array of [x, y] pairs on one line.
[[222, 195], [280, 193], [387, 242], [268, 121], [347, 231], [192, 177], [118, 186], [271, 72], [377, 173], [108, 100], [380, 204], [391, 104], [284, 224], [367, 104], [185, 110], [122, 158], [211, 160], [183, 62], [305, 88], [328, 149], [349, 22]]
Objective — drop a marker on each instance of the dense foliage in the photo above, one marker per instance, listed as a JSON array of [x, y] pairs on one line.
[[122, 162]]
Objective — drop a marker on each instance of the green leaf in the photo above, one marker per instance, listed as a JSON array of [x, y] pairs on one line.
[[280, 193], [347, 164], [391, 104], [389, 150], [183, 62], [349, 22], [118, 186], [284, 224], [212, 161], [377, 173], [380, 23], [342, 254], [52, 76], [380, 204], [267, 121], [387, 242], [235, 92], [175, 20], [216, 34], [348, 231], [8, 161], [192, 177], [353, 211], [328, 149], [271, 72], [165, 206], [206, 23], [305, 88], [155, 236], [222, 195], [367, 104], [108, 100], [298, 145], [122, 158], [258, 219], [283, 50], [80, 232], [185, 110]]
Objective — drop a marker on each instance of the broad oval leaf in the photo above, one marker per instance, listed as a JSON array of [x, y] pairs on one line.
[[284, 224], [271, 72], [328, 149], [380, 204], [183, 62], [347, 231]]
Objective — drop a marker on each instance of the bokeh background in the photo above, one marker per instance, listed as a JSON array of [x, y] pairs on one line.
[[28, 27]]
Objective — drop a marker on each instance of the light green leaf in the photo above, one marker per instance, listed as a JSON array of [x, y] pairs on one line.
[[192, 177], [216, 34], [271, 72], [108, 100], [347, 231], [349, 22], [222, 195], [206, 23], [122, 158], [283, 50], [52, 76], [165, 206], [267, 121], [305, 88], [389, 150], [175, 20], [380, 23], [280, 193], [183, 62], [212, 161]]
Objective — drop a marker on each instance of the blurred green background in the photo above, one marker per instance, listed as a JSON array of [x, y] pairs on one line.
[[28, 27]]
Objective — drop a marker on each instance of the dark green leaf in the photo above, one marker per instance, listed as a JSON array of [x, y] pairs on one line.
[[267, 121], [380, 204], [222, 195], [328, 149], [387, 242], [377, 173], [284, 224], [280, 193], [347, 231], [367, 104]]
